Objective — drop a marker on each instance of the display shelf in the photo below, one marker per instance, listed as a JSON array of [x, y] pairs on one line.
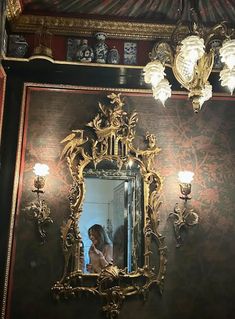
[[120, 76], [77, 73], [88, 64]]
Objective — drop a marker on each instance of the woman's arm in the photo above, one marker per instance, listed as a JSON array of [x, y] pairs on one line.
[[105, 257], [108, 253]]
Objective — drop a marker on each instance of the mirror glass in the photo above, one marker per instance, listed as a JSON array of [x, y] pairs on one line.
[[107, 222]]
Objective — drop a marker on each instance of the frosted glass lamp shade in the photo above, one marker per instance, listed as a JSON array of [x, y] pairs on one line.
[[154, 72], [192, 48], [41, 169], [162, 91], [227, 78], [227, 53], [185, 177], [207, 93]]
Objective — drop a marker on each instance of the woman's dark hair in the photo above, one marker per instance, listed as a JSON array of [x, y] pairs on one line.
[[103, 237]]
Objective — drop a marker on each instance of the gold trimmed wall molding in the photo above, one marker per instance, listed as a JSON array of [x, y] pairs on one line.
[[87, 27], [13, 9], [71, 26]]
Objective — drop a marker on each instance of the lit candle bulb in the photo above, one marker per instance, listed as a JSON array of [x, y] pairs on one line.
[[185, 178], [40, 170]]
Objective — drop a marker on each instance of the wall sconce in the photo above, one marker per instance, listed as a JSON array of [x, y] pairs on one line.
[[38, 210], [183, 215]]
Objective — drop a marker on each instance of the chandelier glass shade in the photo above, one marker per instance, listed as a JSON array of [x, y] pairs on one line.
[[191, 60], [192, 48], [162, 91], [185, 67], [227, 53], [154, 72], [206, 93], [227, 75], [227, 78]]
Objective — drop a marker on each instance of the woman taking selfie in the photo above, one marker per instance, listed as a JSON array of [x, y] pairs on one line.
[[101, 250]]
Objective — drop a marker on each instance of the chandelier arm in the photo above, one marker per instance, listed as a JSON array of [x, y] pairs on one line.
[[163, 52], [177, 35], [221, 30], [196, 25], [203, 71], [179, 22]]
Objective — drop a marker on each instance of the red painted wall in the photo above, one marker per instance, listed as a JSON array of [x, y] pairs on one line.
[[200, 275]]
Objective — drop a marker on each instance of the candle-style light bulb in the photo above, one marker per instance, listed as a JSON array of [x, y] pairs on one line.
[[185, 178], [40, 170]]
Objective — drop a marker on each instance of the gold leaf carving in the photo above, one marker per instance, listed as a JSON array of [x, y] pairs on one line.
[[114, 130], [87, 27], [13, 9]]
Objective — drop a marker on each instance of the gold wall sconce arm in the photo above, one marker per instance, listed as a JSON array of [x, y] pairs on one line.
[[183, 215], [39, 210]]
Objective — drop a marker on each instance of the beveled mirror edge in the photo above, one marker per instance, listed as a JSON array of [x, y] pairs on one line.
[[115, 132]]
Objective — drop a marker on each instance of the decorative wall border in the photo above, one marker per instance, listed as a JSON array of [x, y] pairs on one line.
[[87, 27]]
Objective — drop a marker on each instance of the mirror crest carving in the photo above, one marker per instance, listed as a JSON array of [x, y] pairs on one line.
[[109, 138]]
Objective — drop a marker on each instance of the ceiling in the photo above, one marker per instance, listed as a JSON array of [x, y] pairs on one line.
[[139, 19], [211, 11]]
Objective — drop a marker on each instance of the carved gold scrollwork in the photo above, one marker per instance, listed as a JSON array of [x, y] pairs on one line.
[[40, 213], [87, 27], [183, 217], [13, 9], [114, 132]]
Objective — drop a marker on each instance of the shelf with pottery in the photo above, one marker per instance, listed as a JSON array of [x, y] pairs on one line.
[[78, 52]]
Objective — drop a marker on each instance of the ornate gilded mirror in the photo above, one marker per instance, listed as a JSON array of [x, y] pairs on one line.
[[111, 238]]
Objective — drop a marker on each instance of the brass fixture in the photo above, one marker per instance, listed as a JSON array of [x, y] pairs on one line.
[[42, 44], [38, 210], [191, 57], [184, 216], [109, 140]]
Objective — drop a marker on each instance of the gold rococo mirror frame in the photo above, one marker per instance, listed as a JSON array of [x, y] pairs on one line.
[[113, 134]]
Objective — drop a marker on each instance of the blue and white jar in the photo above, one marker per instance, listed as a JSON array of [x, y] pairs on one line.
[[101, 48], [85, 53], [113, 56]]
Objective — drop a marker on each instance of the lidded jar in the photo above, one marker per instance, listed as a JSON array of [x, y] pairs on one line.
[[101, 48], [113, 56], [85, 53]]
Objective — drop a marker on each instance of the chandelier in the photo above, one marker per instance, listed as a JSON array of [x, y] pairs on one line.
[[191, 58]]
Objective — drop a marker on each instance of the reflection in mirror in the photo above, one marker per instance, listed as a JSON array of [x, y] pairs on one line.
[[107, 222]]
